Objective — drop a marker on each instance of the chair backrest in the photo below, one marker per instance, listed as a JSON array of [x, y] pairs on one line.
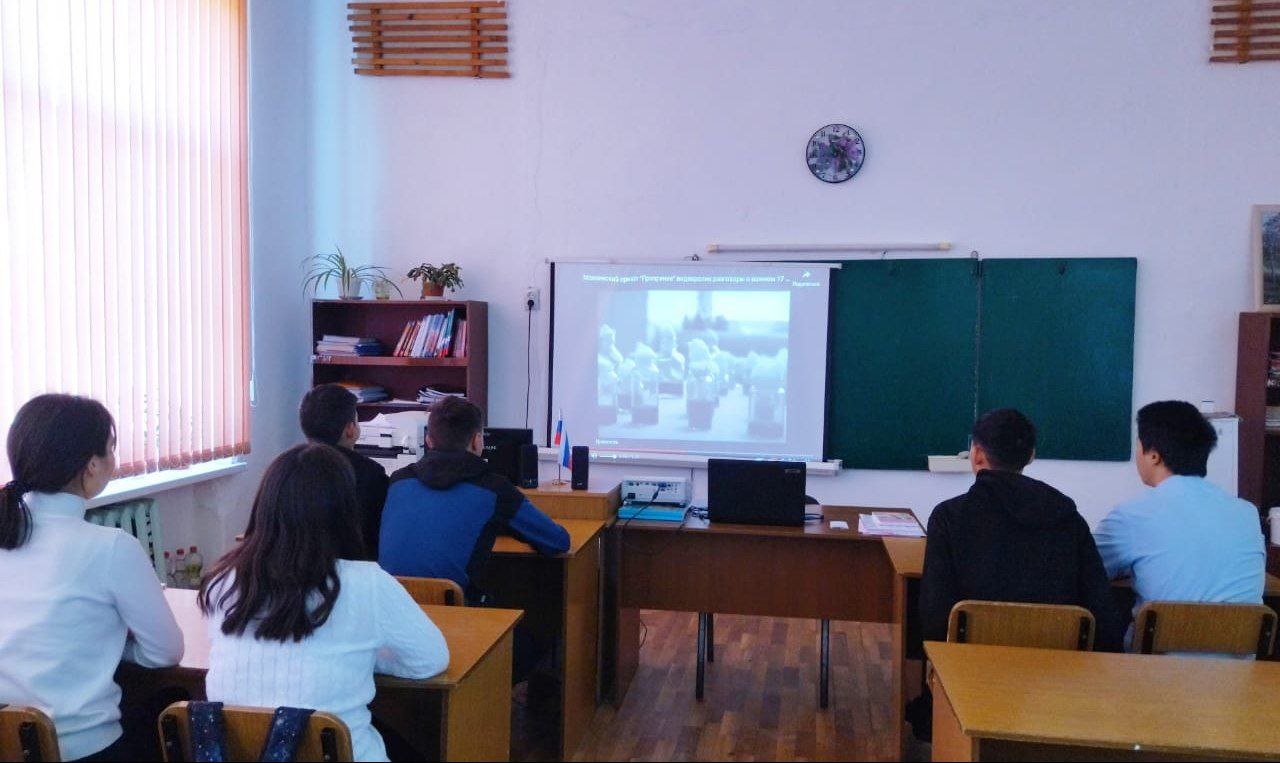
[[1042, 626], [434, 591], [27, 734], [1179, 626], [326, 739]]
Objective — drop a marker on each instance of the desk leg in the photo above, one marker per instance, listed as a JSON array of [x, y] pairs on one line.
[[898, 675], [477, 716], [824, 679], [702, 656], [949, 740], [711, 636], [621, 641], [580, 646]]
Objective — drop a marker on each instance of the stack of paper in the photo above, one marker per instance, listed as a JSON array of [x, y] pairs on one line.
[[348, 345], [887, 523], [429, 395]]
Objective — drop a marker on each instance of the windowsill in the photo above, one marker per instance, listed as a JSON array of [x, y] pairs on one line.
[[128, 488]]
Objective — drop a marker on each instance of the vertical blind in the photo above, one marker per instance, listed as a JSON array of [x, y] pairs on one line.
[[124, 219]]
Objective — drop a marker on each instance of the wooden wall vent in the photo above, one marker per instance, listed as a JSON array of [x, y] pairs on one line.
[[430, 39], [1245, 30]]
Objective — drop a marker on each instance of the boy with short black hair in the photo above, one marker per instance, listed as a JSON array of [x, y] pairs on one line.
[[1011, 538], [444, 512], [328, 415], [1186, 539]]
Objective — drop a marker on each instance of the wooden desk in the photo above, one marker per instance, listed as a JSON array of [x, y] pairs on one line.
[[561, 599], [906, 555], [562, 502], [462, 714], [1006, 703], [811, 572]]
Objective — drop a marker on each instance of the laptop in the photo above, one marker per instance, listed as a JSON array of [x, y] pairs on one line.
[[755, 492], [502, 450]]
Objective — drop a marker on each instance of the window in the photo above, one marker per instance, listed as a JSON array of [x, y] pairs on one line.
[[124, 219]]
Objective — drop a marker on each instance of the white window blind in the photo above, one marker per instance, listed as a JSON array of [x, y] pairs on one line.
[[124, 220]]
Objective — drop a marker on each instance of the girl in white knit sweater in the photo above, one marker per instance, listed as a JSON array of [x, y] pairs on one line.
[[295, 621]]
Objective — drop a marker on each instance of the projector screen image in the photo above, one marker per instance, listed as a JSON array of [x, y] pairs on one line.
[[721, 360]]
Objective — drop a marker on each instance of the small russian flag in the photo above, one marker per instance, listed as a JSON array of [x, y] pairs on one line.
[[561, 441]]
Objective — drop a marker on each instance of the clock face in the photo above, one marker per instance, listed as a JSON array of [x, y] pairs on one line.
[[835, 153]]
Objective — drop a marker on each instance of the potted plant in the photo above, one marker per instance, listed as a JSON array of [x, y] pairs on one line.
[[333, 266], [436, 279]]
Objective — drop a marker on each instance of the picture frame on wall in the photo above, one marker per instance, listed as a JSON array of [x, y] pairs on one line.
[[1266, 256]]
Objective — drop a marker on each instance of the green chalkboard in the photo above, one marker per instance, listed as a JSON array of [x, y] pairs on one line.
[[1057, 343], [902, 362]]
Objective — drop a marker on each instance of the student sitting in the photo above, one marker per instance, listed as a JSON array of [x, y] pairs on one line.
[[75, 597], [328, 416], [444, 512], [1012, 538], [295, 620], [1186, 539]]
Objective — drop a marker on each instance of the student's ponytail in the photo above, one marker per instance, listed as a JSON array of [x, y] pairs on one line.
[[15, 517], [50, 443]]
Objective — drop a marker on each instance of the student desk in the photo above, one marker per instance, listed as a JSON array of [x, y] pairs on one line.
[[906, 555], [1007, 703], [463, 714], [561, 599], [811, 572]]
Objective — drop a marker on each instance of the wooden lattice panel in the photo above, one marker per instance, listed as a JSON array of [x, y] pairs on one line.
[[430, 39], [1246, 30]]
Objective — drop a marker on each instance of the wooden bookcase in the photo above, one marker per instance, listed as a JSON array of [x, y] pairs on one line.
[[385, 319], [1259, 446]]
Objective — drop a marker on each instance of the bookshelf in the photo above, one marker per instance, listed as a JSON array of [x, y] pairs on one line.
[[1259, 445], [384, 320]]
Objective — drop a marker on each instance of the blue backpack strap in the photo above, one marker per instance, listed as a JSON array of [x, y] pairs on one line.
[[207, 731], [287, 727]]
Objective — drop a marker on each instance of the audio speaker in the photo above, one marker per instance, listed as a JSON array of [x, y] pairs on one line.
[[580, 464], [528, 465]]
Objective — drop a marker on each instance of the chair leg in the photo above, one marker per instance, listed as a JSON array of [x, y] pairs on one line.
[[824, 679], [711, 636], [702, 655]]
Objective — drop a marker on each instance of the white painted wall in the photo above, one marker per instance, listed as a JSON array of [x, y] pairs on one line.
[[646, 130]]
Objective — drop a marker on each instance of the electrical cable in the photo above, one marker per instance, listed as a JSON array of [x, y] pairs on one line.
[[528, 360]]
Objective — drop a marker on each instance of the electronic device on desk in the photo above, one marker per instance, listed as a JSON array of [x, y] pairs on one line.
[[660, 499], [580, 466], [502, 450], [378, 441], [756, 492]]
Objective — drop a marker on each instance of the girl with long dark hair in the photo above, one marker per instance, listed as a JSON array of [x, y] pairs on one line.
[[295, 619], [75, 597]]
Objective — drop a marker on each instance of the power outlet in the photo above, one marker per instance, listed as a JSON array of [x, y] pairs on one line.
[[533, 298]]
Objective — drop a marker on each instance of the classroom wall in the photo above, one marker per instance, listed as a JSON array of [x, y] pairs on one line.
[[647, 130]]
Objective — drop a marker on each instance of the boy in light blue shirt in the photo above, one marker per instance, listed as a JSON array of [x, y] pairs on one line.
[[1186, 539]]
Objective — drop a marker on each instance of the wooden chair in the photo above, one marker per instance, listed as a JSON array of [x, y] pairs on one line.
[[27, 734], [327, 737], [1177, 626], [434, 591], [1041, 626]]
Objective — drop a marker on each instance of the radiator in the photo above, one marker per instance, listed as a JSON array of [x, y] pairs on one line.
[[138, 518]]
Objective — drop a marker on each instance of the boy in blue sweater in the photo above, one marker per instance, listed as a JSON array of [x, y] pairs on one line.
[[443, 513]]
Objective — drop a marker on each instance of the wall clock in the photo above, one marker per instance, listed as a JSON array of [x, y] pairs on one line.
[[835, 153]]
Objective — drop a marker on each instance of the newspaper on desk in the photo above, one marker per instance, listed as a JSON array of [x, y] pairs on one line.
[[889, 523]]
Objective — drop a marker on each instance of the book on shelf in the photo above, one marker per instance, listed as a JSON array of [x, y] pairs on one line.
[[365, 393], [439, 335], [429, 395], [349, 346]]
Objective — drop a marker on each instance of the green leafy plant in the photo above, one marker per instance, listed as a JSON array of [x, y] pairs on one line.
[[333, 266], [446, 276]]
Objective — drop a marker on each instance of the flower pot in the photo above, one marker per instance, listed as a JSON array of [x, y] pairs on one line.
[[432, 291], [351, 289]]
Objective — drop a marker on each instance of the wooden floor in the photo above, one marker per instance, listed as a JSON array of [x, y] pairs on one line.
[[761, 696]]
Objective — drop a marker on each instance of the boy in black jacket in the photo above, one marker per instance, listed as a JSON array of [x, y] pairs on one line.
[[328, 416], [1012, 538]]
